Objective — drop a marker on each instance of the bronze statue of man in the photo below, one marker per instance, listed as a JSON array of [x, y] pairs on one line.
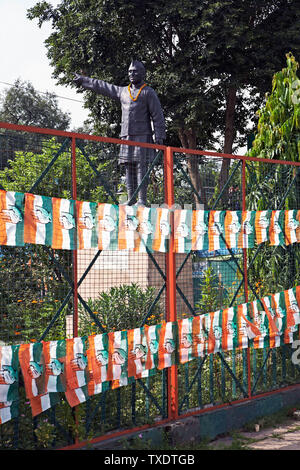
[[141, 109]]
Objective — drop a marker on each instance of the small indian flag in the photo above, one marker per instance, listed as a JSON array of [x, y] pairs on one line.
[[168, 349], [9, 373], [233, 226], [200, 336], [262, 223], [216, 230], [146, 223], [137, 353], [183, 230], [64, 224], [292, 307], [43, 402], [278, 303], [33, 369], [242, 326], [38, 227], [200, 230], [97, 355], [55, 357], [9, 412], [247, 233], [87, 233], [108, 219], [247, 324], [185, 335], [128, 226], [276, 228], [213, 325], [229, 329], [76, 396], [260, 320], [162, 230], [292, 226], [76, 363], [11, 218], [152, 333], [96, 388], [117, 357]]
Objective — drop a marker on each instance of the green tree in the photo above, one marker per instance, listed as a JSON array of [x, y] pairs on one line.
[[277, 138], [23, 104], [200, 57]]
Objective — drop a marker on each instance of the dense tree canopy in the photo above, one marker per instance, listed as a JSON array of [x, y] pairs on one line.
[[22, 104], [211, 62]]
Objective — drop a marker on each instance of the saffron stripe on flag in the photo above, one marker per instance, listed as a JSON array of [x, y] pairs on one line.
[[11, 218], [108, 222], [87, 233], [38, 228]]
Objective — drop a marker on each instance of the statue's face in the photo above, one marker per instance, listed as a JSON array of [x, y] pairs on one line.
[[135, 74]]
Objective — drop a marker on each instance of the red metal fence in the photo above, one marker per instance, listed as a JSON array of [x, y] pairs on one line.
[[178, 280]]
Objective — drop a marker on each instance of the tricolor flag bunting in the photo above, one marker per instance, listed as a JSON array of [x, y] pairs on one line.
[[9, 374], [128, 226], [108, 221], [162, 230], [43, 402], [118, 358], [11, 218], [246, 236], [76, 396], [262, 223], [76, 363], [200, 336], [97, 356], [199, 230], [216, 230], [292, 226], [55, 366], [276, 228], [9, 412], [232, 228], [33, 368], [64, 224], [168, 350], [87, 230], [152, 337], [137, 353], [229, 329], [183, 230], [38, 228], [185, 338], [146, 224]]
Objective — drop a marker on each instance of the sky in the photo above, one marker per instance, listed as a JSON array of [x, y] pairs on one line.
[[23, 55]]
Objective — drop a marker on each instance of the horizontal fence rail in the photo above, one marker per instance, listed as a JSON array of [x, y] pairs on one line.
[[51, 294]]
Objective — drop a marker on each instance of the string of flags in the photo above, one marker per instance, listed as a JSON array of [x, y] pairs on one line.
[[69, 224], [82, 367]]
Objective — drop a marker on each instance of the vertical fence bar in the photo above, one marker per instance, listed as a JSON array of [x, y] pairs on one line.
[[245, 270], [74, 255], [171, 313], [75, 261]]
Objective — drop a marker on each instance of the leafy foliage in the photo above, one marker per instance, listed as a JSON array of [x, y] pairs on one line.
[[120, 308]]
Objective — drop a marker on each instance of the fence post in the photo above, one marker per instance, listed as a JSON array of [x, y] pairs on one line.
[[75, 270], [245, 270], [171, 314]]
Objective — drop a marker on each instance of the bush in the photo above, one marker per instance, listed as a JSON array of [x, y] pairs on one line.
[[121, 308]]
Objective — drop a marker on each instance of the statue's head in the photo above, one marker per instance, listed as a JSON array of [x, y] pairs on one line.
[[136, 72]]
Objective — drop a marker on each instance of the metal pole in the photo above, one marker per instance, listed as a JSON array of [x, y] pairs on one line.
[[245, 270], [75, 270], [171, 313]]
